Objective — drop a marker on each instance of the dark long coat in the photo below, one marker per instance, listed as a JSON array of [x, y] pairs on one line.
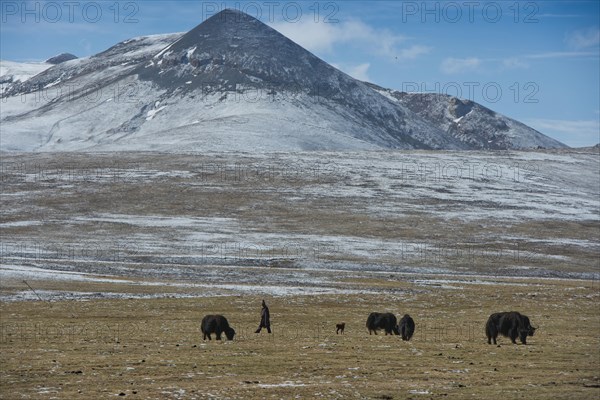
[[265, 318]]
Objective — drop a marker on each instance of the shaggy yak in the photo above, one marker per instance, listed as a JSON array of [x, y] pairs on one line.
[[406, 327], [216, 324], [510, 324], [339, 328], [385, 321]]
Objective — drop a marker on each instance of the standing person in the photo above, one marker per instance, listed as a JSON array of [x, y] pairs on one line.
[[265, 318]]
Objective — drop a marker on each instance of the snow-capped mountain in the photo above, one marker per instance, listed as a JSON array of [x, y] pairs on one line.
[[471, 123], [14, 73], [233, 83]]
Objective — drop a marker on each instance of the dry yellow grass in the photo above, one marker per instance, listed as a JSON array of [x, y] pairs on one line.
[[152, 349]]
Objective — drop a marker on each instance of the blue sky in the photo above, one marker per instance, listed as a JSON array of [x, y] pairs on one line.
[[535, 61]]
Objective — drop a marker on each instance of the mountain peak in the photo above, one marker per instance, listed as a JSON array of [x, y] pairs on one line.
[[232, 13], [235, 47], [228, 24], [229, 19]]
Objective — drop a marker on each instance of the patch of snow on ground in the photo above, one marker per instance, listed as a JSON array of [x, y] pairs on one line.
[[19, 223], [283, 384], [152, 113]]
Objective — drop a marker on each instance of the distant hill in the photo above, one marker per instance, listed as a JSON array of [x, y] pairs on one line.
[[61, 58]]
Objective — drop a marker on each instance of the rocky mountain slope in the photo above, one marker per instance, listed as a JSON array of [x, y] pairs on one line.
[[470, 122], [233, 83]]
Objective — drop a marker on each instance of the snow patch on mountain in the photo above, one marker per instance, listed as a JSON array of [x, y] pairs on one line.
[[12, 73]]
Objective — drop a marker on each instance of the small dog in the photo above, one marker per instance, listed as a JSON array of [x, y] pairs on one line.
[[339, 328]]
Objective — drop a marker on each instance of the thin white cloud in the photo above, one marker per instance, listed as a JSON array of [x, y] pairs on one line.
[[549, 15], [575, 133], [458, 65], [312, 36], [86, 46], [322, 38], [514, 63], [413, 52], [520, 62], [360, 71], [562, 54], [584, 38]]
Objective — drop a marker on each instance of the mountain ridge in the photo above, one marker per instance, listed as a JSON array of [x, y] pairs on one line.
[[234, 83]]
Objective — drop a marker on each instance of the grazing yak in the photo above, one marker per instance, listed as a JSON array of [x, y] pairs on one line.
[[510, 324], [385, 321], [216, 324], [406, 327], [339, 328]]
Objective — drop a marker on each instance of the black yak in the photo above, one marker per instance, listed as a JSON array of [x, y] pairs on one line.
[[216, 324], [406, 327], [339, 328], [510, 324], [385, 321]]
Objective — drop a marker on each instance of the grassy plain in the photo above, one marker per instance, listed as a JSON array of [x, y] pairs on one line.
[[127, 252], [152, 348]]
